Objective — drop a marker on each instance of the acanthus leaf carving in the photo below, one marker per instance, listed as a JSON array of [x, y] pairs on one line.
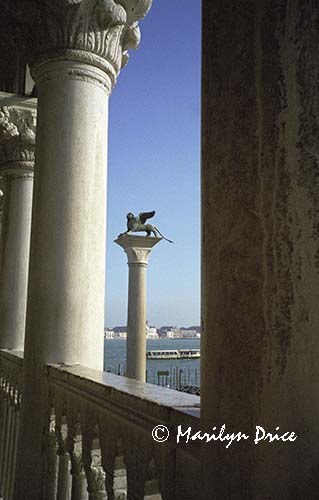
[[17, 138], [138, 256], [105, 28]]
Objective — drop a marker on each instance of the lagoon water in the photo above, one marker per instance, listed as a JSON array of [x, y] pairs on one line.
[[115, 358]]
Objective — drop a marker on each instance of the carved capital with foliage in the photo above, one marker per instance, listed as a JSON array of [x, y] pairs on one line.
[[97, 32], [17, 140]]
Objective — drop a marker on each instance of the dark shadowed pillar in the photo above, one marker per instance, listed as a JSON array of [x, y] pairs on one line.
[[260, 246]]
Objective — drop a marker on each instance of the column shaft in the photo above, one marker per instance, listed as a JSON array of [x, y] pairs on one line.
[[17, 144], [76, 51], [65, 319], [1, 212], [67, 258], [136, 323], [16, 225], [137, 249]]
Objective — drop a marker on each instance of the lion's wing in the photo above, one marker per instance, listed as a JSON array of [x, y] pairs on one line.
[[143, 216]]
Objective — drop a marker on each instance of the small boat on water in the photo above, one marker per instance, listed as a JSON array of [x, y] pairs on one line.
[[173, 354]]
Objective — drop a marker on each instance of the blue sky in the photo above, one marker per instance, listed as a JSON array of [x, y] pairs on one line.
[[154, 158]]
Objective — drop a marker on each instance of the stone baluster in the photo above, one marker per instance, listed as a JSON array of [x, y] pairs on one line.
[[112, 459], [13, 433], [52, 466], [1, 211], [108, 468], [167, 461], [95, 477], [17, 144], [9, 458], [152, 481], [63, 467], [76, 50], [78, 478], [119, 477], [2, 419], [9, 426], [108, 438], [136, 460], [91, 457], [135, 482], [137, 249], [8, 445], [15, 446], [79, 483], [4, 433]]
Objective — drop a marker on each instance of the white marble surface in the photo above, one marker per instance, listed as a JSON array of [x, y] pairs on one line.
[[99, 382], [65, 320], [17, 138], [76, 50]]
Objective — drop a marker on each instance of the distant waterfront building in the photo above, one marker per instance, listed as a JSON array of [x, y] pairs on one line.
[[186, 333], [120, 329], [120, 335], [168, 332], [118, 332], [108, 333], [164, 332], [151, 332], [197, 328], [173, 333]]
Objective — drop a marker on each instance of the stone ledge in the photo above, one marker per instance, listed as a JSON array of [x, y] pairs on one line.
[[116, 386], [137, 404], [13, 356]]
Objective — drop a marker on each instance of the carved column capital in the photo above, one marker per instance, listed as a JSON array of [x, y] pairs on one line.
[[96, 32], [137, 248], [17, 136]]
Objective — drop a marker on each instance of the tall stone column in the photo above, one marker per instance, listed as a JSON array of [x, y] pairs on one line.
[[137, 249], [1, 210], [76, 50], [17, 144], [260, 247]]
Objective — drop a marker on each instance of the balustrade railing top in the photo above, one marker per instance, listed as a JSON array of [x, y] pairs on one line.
[[110, 389], [11, 363]]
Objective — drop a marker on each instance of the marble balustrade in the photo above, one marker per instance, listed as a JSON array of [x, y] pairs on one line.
[[10, 396], [98, 443]]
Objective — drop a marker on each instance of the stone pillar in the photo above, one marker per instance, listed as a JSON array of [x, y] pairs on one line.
[[137, 249], [76, 50], [1, 209], [260, 251], [17, 144]]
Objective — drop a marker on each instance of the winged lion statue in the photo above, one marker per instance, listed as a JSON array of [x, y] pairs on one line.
[[136, 223]]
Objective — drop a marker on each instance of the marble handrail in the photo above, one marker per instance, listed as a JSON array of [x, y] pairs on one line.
[[11, 363]]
